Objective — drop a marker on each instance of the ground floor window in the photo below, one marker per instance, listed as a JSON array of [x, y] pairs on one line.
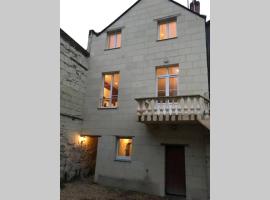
[[124, 148]]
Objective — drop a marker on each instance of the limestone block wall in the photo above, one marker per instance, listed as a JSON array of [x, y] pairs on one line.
[[136, 60], [73, 72]]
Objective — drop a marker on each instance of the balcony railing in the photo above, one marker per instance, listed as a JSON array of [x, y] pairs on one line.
[[173, 109]]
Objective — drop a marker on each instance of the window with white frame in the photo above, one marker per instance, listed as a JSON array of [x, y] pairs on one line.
[[110, 89], [124, 148], [167, 80], [114, 39], [167, 29]]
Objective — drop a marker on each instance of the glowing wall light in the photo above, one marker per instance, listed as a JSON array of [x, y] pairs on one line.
[[82, 139]]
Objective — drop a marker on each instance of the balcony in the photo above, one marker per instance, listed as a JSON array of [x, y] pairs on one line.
[[174, 110]]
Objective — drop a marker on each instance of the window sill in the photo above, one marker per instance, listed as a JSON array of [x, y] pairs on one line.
[[107, 108], [112, 49], [122, 160], [158, 40]]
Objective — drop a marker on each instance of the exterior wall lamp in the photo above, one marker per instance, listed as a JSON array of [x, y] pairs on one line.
[[82, 140]]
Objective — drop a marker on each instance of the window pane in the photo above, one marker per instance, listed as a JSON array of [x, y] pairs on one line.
[[107, 90], [105, 102], [174, 70], [114, 101], [107, 86], [161, 87], [162, 31], [124, 147], [162, 71], [173, 86], [111, 42], [116, 78], [161, 93], [172, 29], [119, 37]]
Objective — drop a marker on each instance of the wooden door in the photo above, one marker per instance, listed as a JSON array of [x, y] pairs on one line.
[[175, 175]]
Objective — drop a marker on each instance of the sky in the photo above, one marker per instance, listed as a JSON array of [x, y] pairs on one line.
[[77, 17]]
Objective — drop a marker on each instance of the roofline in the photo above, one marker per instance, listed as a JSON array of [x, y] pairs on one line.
[[202, 16], [176, 3], [73, 43], [97, 34]]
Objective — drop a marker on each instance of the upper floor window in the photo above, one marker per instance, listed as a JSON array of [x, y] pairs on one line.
[[109, 97], [167, 80], [167, 29], [114, 39]]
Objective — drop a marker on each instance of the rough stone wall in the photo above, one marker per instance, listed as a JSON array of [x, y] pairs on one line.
[[74, 67]]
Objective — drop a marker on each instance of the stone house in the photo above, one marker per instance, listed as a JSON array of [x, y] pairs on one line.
[[135, 105]]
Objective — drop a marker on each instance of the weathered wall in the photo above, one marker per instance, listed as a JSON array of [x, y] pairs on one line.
[[137, 60], [74, 66]]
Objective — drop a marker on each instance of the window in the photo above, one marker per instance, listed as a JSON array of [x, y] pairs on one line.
[[109, 97], [124, 148], [167, 29], [114, 39], [167, 80]]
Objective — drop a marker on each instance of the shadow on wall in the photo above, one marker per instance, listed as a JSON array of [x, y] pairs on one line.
[[78, 157]]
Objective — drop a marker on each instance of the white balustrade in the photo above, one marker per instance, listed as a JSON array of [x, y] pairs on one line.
[[172, 108]]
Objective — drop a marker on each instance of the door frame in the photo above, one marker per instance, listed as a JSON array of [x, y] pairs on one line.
[[174, 145]]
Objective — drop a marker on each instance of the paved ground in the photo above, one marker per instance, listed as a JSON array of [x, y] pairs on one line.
[[86, 190]]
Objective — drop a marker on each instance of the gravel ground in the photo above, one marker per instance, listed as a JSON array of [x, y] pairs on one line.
[[87, 190]]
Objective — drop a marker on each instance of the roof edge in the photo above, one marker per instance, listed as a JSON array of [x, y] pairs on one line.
[[97, 34], [202, 16], [176, 3], [73, 43]]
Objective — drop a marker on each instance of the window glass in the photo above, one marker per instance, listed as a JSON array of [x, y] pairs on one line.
[[114, 39], [111, 40], [162, 87], [115, 90], [162, 71], [174, 70], [110, 90], [172, 29], [124, 148], [162, 31], [167, 80], [107, 90], [173, 86], [118, 40], [167, 29]]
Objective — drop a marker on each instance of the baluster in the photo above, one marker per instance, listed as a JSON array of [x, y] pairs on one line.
[[177, 106], [185, 105], [150, 110], [155, 109], [160, 109], [198, 106], [167, 110], [173, 109], [139, 108], [202, 106], [158, 106], [192, 103], [143, 110]]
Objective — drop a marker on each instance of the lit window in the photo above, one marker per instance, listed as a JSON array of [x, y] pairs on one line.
[[167, 80], [167, 29], [109, 97], [114, 39], [124, 148]]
